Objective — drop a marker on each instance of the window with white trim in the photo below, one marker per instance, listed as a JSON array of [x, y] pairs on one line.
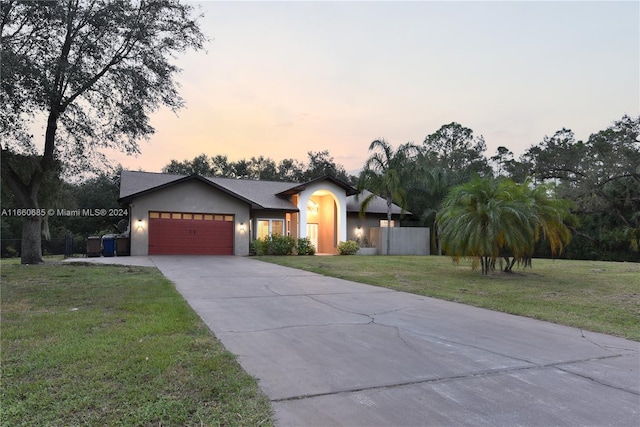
[[267, 227]]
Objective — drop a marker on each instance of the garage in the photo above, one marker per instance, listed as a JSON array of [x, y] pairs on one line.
[[183, 233]]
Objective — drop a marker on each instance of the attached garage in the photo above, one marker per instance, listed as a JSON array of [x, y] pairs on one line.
[[172, 233]]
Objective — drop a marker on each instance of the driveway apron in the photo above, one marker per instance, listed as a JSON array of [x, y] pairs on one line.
[[329, 352]]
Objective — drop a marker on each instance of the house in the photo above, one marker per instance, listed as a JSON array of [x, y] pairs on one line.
[[178, 214]]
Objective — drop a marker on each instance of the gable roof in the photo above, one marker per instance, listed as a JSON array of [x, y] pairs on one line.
[[258, 194], [301, 187]]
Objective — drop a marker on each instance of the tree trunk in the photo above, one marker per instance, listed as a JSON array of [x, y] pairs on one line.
[[510, 263], [27, 198], [436, 237], [31, 252]]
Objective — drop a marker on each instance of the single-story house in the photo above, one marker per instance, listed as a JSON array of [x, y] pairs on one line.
[[178, 214]]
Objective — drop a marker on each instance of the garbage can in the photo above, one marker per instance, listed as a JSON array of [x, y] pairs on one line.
[[122, 246], [93, 246], [108, 245]]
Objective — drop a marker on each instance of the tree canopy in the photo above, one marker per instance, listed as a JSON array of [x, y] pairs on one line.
[[602, 177], [454, 147], [263, 168]]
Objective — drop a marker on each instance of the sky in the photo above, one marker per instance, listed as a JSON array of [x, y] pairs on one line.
[[280, 79]]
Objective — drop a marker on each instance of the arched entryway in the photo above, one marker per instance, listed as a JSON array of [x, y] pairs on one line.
[[322, 210], [322, 221]]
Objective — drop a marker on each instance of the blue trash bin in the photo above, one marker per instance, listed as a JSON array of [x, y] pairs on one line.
[[108, 245]]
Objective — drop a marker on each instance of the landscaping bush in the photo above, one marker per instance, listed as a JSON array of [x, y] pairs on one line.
[[350, 247], [275, 245], [364, 242], [253, 247], [305, 247]]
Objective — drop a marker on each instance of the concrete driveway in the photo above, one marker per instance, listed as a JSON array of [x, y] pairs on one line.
[[330, 352]]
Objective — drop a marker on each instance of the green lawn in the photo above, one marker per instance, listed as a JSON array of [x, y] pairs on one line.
[[114, 346], [596, 296]]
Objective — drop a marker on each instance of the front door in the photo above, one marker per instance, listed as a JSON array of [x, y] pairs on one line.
[[312, 234]]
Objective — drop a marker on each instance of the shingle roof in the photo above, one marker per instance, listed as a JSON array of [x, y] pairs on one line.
[[377, 205], [260, 194], [133, 182]]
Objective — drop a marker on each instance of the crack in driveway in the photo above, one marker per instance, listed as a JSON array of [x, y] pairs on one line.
[[372, 319], [467, 375]]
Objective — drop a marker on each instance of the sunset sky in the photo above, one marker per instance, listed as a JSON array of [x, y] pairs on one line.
[[280, 79]]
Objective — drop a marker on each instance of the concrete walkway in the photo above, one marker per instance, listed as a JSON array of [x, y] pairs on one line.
[[329, 352]]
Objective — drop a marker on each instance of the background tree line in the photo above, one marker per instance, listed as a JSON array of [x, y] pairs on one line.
[[262, 168], [600, 177]]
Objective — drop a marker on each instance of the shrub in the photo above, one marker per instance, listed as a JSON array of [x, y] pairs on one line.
[[305, 247], [349, 247], [12, 252], [275, 245], [364, 242], [253, 247]]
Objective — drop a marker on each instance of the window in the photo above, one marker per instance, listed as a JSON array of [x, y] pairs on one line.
[[312, 207], [263, 228], [383, 223], [267, 227]]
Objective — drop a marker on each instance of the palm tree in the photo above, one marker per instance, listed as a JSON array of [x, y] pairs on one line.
[[486, 219], [384, 174], [429, 185]]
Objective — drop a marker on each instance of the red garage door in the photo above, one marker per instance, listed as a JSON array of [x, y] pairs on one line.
[[177, 233]]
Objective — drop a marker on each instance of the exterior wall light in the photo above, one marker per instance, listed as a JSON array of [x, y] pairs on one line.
[[359, 232], [242, 227], [139, 225]]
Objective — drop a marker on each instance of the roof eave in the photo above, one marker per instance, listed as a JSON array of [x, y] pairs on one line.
[[350, 191]]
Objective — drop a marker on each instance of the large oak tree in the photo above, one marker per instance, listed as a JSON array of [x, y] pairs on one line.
[[93, 71]]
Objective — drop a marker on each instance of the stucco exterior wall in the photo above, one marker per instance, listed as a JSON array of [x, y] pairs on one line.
[[366, 224], [190, 196], [294, 225], [327, 232]]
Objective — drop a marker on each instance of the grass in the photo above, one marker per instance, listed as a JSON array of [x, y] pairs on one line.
[[114, 346], [596, 296]]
